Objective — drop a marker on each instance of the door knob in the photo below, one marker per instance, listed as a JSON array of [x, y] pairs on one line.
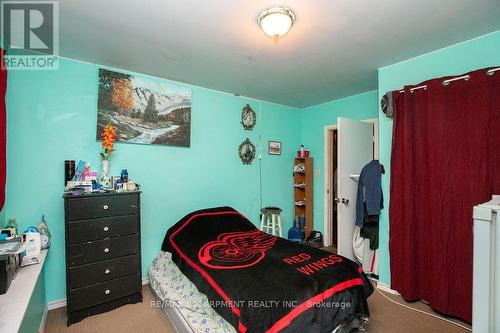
[[342, 200]]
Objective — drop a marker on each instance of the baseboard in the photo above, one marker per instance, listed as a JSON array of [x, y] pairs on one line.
[[41, 329], [386, 288], [56, 304], [62, 302]]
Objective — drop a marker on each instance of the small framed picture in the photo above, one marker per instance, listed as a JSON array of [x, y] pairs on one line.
[[274, 148]]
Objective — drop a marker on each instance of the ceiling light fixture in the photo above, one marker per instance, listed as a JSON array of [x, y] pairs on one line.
[[276, 21]]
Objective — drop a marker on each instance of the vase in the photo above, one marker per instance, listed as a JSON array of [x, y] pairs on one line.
[[105, 180]]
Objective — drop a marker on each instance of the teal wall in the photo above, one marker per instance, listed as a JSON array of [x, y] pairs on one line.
[[51, 117], [457, 59], [314, 120]]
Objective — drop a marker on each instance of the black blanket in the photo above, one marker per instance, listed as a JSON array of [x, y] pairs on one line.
[[262, 283]]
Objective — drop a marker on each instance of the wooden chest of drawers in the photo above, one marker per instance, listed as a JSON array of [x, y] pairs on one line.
[[103, 253]]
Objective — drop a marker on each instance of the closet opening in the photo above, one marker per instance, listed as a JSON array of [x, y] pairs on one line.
[[331, 189]]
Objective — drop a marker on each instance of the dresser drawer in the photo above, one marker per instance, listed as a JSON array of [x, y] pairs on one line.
[[90, 230], [104, 292], [84, 253], [86, 208], [86, 275]]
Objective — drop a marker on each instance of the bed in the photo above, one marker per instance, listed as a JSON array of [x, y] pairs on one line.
[[218, 273]]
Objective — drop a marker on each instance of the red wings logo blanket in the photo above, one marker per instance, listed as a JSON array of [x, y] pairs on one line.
[[263, 283]]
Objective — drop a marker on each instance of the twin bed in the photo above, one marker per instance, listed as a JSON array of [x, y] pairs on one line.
[[218, 273]]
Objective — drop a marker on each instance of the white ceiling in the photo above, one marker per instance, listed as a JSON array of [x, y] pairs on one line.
[[332, 51]]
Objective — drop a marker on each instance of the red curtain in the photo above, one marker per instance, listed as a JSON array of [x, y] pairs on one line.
[[3, 129], [445, 160]]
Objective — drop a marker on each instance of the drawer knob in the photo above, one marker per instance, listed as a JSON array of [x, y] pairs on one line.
[[107, 291], [105, 207], [107, 271], [106, 228], [106, 250]]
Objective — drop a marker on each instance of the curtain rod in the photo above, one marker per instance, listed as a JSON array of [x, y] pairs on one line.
[[492, 71], [447, 82], [463, 77]]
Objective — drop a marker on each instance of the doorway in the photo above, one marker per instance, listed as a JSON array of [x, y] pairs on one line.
[[331, 189], [349, 144]]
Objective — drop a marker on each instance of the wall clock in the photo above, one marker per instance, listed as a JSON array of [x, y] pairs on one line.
[[247, 151], [248, 118]]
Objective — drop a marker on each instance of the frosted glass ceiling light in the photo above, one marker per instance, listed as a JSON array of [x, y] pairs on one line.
[[276, 21]]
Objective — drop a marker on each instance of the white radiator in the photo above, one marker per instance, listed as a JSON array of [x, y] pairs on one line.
[[486, 275]]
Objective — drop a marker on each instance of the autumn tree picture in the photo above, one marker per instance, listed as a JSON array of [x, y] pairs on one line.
[[144, 110], [107, 79], [121, 96]]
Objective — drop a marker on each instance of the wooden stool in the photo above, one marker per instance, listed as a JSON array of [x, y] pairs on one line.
[[270, 220]]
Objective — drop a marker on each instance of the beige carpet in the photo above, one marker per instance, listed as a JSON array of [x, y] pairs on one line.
[[132, 318], [386, 317], [331, 249]]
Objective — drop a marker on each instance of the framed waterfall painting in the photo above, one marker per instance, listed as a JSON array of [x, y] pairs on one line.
[[144, 109]]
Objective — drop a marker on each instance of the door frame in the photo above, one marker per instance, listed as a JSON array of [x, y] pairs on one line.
[[328, 174]]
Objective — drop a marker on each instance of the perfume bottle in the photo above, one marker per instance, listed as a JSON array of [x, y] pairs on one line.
[[43, 229]]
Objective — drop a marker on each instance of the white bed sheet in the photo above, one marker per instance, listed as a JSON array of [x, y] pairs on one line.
[[177, 292]]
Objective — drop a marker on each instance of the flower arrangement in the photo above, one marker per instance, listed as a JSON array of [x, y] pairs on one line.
[[108, 137]]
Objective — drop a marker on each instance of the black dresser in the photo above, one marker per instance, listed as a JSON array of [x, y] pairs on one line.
[[103, 252]]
